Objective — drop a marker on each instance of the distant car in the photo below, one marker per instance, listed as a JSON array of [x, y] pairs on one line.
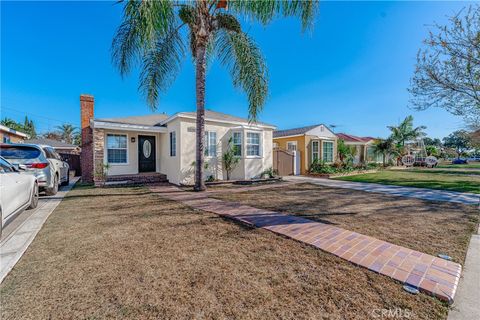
[[43, 161], [459, 161], [18, 191]]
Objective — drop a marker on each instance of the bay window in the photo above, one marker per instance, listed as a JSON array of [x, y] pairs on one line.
[[315, 150], [237, 144], [210, 144], [328, 151], [253, 144]]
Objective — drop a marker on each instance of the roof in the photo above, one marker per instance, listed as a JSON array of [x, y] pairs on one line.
[[351, 138], [294, 131], [12, 131], [147, 120], [217, 116], [52, 143], [161, 119]]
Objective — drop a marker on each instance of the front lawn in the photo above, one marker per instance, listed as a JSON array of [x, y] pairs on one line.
[[450, 182], [126, 253], [473, 165], [426, 226]]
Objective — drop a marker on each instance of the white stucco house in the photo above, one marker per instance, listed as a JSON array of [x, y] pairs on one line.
[[158, 146]]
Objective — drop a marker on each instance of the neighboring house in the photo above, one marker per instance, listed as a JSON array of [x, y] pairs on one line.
[[8, 135], [166, 144], [312, 142], [59, 146], [363, 145]]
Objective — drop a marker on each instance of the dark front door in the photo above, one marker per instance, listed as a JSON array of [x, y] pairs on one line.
[[146, 154]]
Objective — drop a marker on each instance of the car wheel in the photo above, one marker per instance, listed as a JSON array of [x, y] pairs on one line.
[[65, 183], [54, 189], [34, 201]]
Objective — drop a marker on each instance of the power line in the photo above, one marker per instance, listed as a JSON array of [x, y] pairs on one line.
[[32, 114]]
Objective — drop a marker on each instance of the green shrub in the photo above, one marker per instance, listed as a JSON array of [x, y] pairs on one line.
[[319, 166]]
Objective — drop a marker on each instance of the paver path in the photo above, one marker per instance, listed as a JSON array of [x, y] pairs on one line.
[[430, 274], [411, 192]]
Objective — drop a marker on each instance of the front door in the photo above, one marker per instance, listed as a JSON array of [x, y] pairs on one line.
[[146, 154]]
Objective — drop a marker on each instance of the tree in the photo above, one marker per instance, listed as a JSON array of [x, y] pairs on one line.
[[385, 147], [53, 135], [151, 34], [67, 132], [458, 140], [432, 142], [345, 153], [432, 151], [405, 131], [229, 159], [29, 128], [447, 74]]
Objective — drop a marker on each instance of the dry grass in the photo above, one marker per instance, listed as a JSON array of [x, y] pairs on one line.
[[127, 253], [426, 226]]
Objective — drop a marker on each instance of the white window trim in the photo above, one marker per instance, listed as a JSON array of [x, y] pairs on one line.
[[170, 144], [105, 152], [241, 143], [260, 145], [333, 150], [207, 143], [318, 150], [294, 143]]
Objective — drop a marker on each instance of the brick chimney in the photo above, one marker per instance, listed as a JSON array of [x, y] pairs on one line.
[[86, 156]]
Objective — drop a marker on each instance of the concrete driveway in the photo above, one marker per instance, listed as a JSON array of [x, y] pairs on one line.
[[18, 234]]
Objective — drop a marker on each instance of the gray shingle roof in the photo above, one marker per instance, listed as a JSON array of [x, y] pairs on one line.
[[294, 131], [51, 143], [147, 120]]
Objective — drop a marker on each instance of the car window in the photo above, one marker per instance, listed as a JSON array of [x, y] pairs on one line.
[[5, 166], [50, 152], [19, 152]]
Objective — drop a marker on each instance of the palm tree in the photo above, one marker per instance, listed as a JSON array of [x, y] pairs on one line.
[[152, 34], [406, 132], [385, 147], [67, 132]]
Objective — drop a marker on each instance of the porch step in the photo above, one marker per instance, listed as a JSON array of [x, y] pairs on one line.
[[141, 178]]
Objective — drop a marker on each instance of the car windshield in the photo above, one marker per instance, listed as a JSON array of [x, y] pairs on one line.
[[19, 152]]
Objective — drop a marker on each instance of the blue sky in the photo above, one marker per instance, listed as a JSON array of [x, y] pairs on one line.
[[353, 70]]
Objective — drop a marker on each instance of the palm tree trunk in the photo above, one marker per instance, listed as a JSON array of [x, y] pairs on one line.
[[200, 132]]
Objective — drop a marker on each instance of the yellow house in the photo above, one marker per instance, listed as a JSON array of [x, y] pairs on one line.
[[8, 135], [312, 142]]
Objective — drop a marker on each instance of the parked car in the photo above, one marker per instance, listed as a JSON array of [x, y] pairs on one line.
[[43, 161], [459, 161], [18, 191]]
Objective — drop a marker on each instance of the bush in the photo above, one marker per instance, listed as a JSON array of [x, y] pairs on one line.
[[319, 166], [270, 172]]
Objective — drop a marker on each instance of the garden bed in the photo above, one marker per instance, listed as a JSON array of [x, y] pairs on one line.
[[340, 174], [243, 182]]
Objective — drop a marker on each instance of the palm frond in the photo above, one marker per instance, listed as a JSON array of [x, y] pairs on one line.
[[265, 11], [161, 64], [246, 65], [143, 22]]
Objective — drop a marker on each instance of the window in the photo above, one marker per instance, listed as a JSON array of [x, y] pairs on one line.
[[51, 153], [275, 145], [237, 144], [116, 148], [328, 151], [253, 144], [173, 144], [292, 145], [210, 144], [315, 151], [19, 152], [6, 139]]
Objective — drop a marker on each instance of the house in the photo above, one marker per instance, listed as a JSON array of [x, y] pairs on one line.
[[311, 142], [8, 135], [363, 145], [59, 146], [142, 146]]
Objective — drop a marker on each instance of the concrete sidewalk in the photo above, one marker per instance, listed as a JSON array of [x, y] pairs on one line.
[[16, 243], [467, 306], [411, 192]]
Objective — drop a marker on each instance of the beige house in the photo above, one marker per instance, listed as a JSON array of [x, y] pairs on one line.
[[363, 148], [8, 135], [144, 145]]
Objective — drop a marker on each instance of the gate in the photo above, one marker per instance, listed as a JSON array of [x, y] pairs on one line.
[[73, 161], [283, 162]]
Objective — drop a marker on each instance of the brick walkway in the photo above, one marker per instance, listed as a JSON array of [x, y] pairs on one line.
[[430, 274]]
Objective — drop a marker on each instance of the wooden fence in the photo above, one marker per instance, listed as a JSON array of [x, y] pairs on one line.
[[283, 162]]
